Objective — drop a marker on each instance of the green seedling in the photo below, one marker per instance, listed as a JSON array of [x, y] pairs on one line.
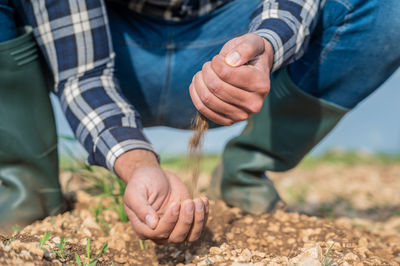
[[118, 207], [60, 251], [143, 244], [105, 227], [327, 261], [89, 261], [46, 236], [7, 242], [16, 228]]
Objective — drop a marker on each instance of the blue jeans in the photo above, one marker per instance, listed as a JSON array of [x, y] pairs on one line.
[[8, 29]]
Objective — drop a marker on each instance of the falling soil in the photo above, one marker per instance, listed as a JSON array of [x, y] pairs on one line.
[[232, 237], [200, 126]]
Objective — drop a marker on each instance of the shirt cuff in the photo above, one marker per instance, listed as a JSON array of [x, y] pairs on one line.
[[114, 142], [280, 36]]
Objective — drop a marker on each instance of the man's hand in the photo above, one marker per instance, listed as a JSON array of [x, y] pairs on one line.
[[157, 203], [234, 84]]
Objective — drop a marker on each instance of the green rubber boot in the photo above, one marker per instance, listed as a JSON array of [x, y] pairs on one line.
[[276, 139], [29, 185]]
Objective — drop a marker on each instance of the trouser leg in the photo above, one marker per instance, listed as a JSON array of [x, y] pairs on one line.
[[350, 55], [7, 25], [29, 185]]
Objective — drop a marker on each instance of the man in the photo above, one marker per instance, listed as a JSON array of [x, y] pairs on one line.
[[172, 58]]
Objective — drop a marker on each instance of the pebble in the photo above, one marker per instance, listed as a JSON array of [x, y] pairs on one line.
[[248, 220], [48, 255], [121, 259], [350, 257], [25, 254], [215, 250]]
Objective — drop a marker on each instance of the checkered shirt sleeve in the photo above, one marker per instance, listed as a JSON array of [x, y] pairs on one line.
[[75, 39], [287, 25]]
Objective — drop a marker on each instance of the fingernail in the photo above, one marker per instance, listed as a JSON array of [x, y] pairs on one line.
[[199, 206], [233, 59], [189, 208], [150, 221], [175, 209]]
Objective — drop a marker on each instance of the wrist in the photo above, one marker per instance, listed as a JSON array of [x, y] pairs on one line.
[[270, 52], [133, 160]]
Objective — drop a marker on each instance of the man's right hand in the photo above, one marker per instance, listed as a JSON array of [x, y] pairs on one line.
[[157, 203]]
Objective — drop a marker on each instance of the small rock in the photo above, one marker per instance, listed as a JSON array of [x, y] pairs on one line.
[[243, 259], [89, 222], [248, 220], [25, 254], [56, 239], [121, 259], [48, 255], [309, 256], [218, 258], [86, 232], [350, 257], [230, 236], [247, 254], [215, 250]]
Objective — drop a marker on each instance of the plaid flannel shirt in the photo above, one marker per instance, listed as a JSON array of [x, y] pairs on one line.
[[75, 39]]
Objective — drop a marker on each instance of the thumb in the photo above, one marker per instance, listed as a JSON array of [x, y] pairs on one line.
[[143, 210], [249, 47]]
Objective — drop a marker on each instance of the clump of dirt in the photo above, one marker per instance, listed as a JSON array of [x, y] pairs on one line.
[[200, 126]]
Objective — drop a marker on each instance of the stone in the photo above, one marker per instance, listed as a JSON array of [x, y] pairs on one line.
[[215, 250]]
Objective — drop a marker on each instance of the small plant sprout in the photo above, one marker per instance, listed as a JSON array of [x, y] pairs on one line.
[[118, 207], [105, 227], [46, 236], [89, 260], [16, 228], [327, 261], [7, 242], [97, 211], [143, 244], [60, 250]]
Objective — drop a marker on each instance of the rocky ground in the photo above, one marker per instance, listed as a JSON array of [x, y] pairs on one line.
[[338, 214]]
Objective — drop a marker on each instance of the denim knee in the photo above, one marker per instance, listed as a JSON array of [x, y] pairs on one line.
[[357, 35], [381, 20], [8, 29], [388, 25]]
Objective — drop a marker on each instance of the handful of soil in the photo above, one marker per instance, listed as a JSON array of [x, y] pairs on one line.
[[200, 126]]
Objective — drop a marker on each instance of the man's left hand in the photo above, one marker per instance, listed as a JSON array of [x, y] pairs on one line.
[[234, 84]]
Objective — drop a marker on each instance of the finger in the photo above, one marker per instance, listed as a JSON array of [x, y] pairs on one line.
[[226, 92], [204, 110], [215, 104], [198, 223], [184, 223], [247, 48], [206, 209], [139, 204], [164, 227], [228, 46], [247, 77]]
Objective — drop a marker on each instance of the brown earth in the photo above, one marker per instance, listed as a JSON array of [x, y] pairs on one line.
[[360, 203]]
